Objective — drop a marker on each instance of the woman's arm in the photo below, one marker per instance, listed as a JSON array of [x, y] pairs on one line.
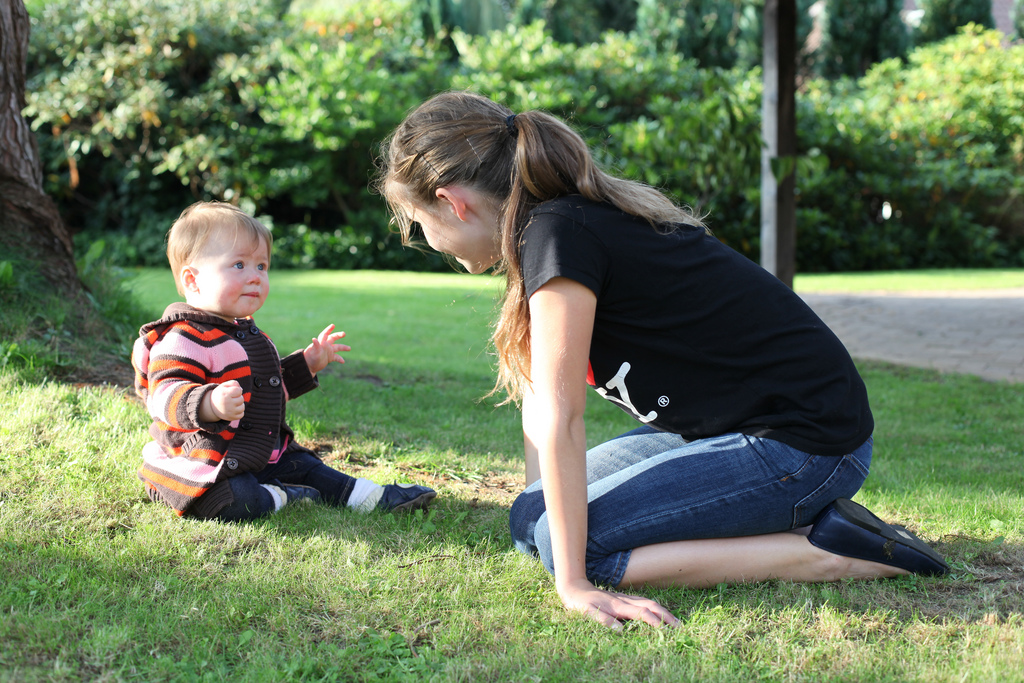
[[562, 321]]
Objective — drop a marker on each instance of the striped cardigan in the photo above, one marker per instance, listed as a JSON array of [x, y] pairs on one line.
[[178, 360]]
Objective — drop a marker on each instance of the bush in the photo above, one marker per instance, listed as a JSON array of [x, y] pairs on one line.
[[117, 89], [576, 21], [937, 146], [693, 133], [141, 111], [696, 134], [320, 107], [912, 165]]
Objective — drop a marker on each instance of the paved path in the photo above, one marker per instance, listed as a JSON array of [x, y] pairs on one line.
[[977, 332]]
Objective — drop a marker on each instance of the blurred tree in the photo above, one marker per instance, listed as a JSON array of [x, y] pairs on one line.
[[481, 16], [1017, 16], [577, 21], [717, 33], [30, 225], [709, 31], [943, 17], [472, 16], [856, 35]]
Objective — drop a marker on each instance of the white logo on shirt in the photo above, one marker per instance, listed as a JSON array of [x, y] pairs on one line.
[[618, 383]]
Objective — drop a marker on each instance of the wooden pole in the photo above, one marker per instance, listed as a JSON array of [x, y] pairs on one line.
[[778, 112]]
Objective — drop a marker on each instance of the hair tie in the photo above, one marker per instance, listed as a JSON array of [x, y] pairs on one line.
[[510, 126]]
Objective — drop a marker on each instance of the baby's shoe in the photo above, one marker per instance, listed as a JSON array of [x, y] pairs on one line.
[[297, 492], [405, 497], [289, 493]]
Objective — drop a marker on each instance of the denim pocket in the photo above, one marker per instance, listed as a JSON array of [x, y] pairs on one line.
[[843, 481], [785, 463]]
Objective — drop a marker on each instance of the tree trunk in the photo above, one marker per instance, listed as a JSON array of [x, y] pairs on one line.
[[31, 229]]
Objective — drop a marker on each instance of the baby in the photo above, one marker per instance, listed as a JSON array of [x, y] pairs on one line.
[[216, 388]]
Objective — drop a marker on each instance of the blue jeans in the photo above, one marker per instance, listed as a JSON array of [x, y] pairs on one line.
[[648, 487]]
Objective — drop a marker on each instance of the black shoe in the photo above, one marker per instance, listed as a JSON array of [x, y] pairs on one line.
[[405, 497], [849, 529], [296, 492]]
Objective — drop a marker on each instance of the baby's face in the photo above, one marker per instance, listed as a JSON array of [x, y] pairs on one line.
[[229, 278]]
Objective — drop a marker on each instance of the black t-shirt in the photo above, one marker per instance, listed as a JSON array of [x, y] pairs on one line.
[[693, 338]]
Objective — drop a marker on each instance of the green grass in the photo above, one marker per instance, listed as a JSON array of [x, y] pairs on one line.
[[910, 281], [99, 584]]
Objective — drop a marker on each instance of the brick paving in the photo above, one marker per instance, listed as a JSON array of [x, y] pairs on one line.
[[975, 332]]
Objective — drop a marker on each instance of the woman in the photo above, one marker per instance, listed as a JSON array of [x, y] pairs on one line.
[[756, 426]]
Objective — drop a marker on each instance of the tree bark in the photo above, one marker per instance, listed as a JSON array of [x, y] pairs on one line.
[[31, 228]]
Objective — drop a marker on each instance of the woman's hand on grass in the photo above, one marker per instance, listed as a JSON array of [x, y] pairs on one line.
[[610, 609], [324, 350]]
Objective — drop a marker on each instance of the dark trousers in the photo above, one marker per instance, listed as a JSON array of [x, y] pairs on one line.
[[296, 466]]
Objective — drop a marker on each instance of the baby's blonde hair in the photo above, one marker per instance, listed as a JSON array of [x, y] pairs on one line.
[[195, 226]]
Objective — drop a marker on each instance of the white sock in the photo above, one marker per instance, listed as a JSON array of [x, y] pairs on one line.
[[365, 495], [280, 497]]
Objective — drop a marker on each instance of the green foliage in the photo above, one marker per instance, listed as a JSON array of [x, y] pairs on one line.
[[228, 102], [707, 148], [1018, 19], [594, 85], [348, 248], [7, 281], [942, 18], [116, 307], [284, 116], [694, 133], [35, 325], [938, 146], [322, 105], [118, 90], [859, 34], [750, 42]]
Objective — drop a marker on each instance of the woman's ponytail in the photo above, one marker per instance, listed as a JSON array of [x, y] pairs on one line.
[[519, 160]]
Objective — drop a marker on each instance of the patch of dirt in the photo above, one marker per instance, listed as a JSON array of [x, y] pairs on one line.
[[104, 370], [372, 379], [489, 487]]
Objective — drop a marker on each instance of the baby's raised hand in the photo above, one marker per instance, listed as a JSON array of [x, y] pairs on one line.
[[226, 401], [324, 350]]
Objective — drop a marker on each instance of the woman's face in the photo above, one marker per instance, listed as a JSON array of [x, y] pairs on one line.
[[462, 224]]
